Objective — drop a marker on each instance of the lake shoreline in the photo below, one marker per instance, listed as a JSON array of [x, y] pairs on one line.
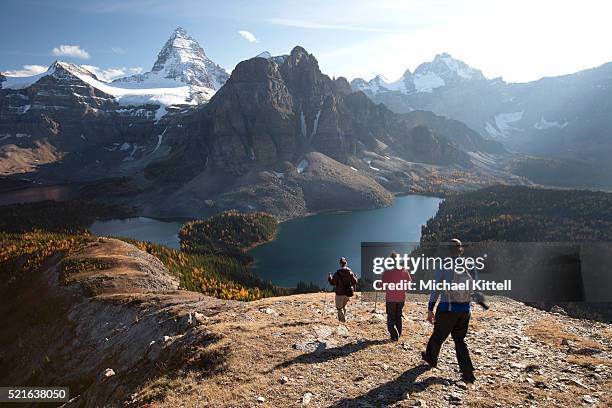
[[282, 220], [306, 248], [67, 192], [301, 246]]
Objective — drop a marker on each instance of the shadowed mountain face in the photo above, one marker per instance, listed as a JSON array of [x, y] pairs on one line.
[[64, 122], [278, 127], [268, 113]]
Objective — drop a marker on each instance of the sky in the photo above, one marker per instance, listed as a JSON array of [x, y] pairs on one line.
[[518, 40]]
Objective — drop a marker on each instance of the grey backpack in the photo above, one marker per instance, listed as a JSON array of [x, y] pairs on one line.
[[461, 296]]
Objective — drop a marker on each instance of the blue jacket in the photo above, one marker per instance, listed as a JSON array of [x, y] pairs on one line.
[[443, 306]]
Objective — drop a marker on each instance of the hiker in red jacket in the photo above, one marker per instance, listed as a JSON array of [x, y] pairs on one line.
[[344, 280], [395, 298]]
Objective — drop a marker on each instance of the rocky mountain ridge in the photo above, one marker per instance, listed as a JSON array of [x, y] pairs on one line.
[[96, 323], [68, 119]]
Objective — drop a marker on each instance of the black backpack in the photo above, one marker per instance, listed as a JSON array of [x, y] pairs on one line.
[[348, 288]]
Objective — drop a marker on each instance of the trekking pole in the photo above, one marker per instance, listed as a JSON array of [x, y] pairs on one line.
[[325, 298], [324, 301], [375, 301]]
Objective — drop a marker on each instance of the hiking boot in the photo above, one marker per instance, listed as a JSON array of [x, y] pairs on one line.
[[431, 363], [468, 378]]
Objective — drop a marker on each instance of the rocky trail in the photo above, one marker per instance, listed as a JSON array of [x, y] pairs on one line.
[[292, 352], [120, 333]]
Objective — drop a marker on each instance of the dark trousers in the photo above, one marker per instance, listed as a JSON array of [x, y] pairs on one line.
[[394, 319], [455, 324]]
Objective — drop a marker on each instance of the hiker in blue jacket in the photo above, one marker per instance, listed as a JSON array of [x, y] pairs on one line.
[[451, 317]]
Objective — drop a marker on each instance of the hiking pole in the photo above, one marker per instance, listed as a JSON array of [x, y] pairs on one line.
[[375, 301], [324, 301], [325, 297]]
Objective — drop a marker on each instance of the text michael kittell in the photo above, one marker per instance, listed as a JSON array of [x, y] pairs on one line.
[[416, 263], [444, 286]]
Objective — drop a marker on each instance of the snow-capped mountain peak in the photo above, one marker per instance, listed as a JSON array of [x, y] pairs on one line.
[[380, 83], [448, 68], [181, 75], [183, 61], [265, 54], [441, 71], [141, 91], [380, 79], [60, 70]]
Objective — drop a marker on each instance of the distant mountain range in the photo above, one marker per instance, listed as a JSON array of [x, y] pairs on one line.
[[566, 116], [443, 71], [278, 135]]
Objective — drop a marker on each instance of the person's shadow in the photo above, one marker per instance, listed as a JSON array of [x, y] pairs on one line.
[[322, 354], [392, 391]]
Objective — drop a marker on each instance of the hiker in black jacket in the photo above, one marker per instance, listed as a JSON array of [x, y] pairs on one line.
[[344, 280]]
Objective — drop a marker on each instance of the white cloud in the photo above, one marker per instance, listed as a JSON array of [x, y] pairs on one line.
[[318, 26], [112, 73], [117, 50], [249, 36], [74, 51], [27, 70]]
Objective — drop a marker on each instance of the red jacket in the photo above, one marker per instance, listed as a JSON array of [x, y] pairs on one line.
[[342, 279], [395, 276]]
